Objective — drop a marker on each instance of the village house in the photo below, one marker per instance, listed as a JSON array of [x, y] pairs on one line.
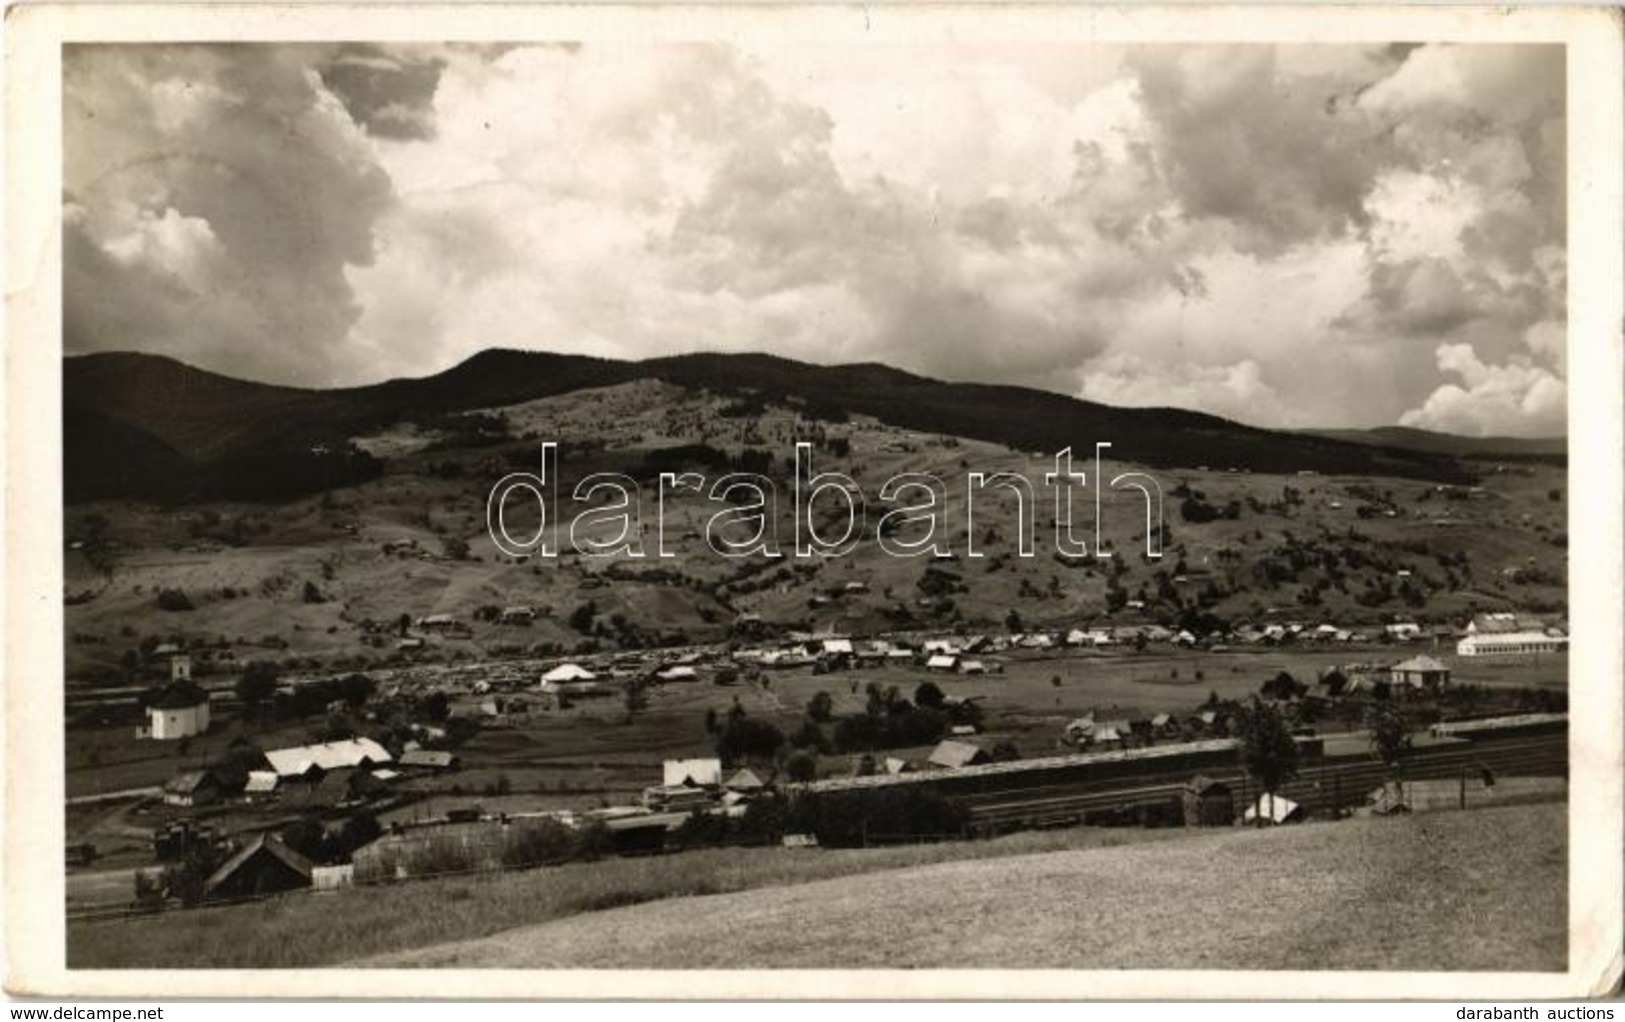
[[428, 759], [191, 788], [1420, 672], [745, 782], [702, 773], [261, 785]]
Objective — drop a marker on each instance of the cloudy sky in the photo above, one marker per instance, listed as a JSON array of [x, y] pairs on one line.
[[1286, 236]]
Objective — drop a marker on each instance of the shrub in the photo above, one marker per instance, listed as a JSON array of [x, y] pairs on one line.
[[173, 600], [744, 738], [821, 707], [801, 767], [540, 842], [910, 725]]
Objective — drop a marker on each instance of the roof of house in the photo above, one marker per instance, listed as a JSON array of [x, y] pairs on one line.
[[427, 758], [1276, 808], [260, 781], [1420, 663], [263, 844], [568, 672], [180, 695], [187, 782], [1202, 784], [1505, 622], [352, 752], [1509, 638], [744, 780], [941, 660], [691, 771], [950, 753]]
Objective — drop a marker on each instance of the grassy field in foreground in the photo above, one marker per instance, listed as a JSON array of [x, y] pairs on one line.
[[308, 930], [1476, 890]]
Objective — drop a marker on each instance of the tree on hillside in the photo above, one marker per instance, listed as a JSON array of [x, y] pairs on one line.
[[810, 736], [929, 695], [1390, 738], [437, 706], [745, 739], [821, 707], [356, 689], [1268, 753], [581, 618], [635, 699], [801, 767], [257, 684]]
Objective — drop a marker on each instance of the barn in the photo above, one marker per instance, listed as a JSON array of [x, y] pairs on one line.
[[263, 866]]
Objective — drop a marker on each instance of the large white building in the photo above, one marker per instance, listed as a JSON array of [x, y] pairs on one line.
[[182, 708], [1511, 643], [299, 760]]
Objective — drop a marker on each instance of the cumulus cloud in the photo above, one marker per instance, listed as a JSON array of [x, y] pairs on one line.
[[1283, 235], [219, 193], [386, 93], [1515, 397]]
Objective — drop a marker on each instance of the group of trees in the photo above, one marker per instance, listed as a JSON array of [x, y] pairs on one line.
[[1269, 753], [257, 686]]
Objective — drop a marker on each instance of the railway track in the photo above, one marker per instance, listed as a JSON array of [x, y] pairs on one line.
[[1337, 783]]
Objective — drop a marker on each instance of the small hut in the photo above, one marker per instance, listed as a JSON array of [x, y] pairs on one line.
[[1208, 803]]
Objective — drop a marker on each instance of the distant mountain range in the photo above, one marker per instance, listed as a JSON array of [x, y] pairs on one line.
[[1551, 450], [149, 427]]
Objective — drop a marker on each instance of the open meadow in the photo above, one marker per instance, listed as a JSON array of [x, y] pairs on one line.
[[1477, 890]]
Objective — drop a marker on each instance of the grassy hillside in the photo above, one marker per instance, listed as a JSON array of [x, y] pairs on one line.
[[1482, 889], [1477, 890], [302, 578], [238, 439], [331, 929]]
